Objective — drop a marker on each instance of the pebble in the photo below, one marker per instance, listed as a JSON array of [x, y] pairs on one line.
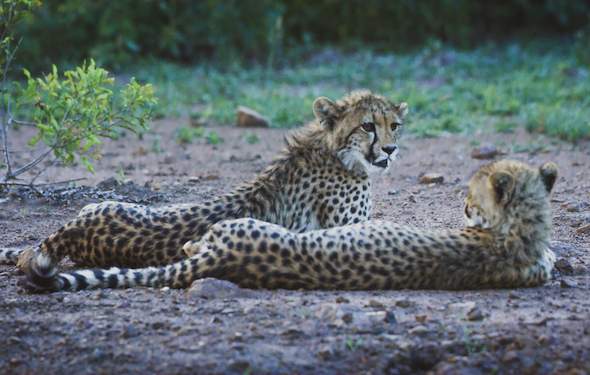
[[403, 303], [568, 283], [583, 229], [432, 178], [475, 314], [376, 304], [249, 118], [419, 330], [485, 152], [564, 266], [341, 299]]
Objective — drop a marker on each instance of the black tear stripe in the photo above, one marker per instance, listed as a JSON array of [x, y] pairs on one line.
[[371, 153]]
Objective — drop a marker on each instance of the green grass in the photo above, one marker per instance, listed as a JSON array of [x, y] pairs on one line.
[[542, 87]]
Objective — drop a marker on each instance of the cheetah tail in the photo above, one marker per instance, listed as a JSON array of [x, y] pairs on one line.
[[10, 255], [174, 276]]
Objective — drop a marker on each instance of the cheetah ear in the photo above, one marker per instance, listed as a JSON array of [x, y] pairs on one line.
[[403, 109], [548, 172], [325, 110], [503, 185]]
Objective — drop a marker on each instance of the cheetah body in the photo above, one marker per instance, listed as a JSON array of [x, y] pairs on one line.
[[504, 245]]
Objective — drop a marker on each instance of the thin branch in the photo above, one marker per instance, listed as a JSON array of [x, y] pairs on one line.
[[24, 123], [32, 182], [32, 164], [5, 145], [10, 183], [62, 182]]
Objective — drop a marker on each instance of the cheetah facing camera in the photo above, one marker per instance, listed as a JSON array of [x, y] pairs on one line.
[[504, 245], [321, 180]]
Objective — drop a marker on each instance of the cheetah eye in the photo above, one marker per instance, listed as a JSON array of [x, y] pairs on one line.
[[395, 125], [369, 127]]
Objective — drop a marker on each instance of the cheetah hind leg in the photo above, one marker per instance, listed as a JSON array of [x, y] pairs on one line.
[[192, 247]]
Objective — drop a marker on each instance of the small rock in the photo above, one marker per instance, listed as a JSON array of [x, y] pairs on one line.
[[485, 152], [347, 318], [421, 318], [510, 356], [108, 184], [564, 266], [390, 317], [584, 229], [214, 288], [403, 303], [376, 304], [568, 283], [325, 353], [419, 330], [341, 299], [461, 308], [249, 118], [475, 314], [432, 178], [513, 295]]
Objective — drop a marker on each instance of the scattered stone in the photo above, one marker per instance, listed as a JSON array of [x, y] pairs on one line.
[[510, 356], [325, 353], [513, 295], [376, 304], [390, 317], [347, 318], [249, 118], [421, 318], [108, 184], [169, 159], [568, 283], [403, 303], [486, 152], [475, 314], [213, 288], [574, 206], [461, 308], [432, 178], [341, 299], [584, 229], [564, 266], [393, 192], [419, 330]]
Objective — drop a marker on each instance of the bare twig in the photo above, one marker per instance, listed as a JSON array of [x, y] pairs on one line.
[[24, 123], [32, 164], [11, 183], [32, 182], [5, 145]]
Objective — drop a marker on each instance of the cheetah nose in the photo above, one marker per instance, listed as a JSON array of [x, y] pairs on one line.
[[389, 149]]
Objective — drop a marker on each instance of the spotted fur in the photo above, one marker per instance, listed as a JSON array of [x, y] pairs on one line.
[[320, 180], [504, 245]]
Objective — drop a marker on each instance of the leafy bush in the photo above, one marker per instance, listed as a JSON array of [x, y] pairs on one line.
[[71, 113]]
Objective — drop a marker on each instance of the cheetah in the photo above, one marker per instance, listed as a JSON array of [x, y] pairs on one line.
[[503, 245], [321, 180]]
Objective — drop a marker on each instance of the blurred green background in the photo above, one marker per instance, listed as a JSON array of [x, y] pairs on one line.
[[460, 64]]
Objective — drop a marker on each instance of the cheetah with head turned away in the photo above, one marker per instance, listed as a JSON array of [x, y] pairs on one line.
[[320, 180], [505, 244]]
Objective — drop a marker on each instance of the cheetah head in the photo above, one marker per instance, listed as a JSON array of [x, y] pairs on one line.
[[507, 192], [363, 129]]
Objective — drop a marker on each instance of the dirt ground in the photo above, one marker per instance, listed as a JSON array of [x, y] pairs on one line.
[[543, 330]]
